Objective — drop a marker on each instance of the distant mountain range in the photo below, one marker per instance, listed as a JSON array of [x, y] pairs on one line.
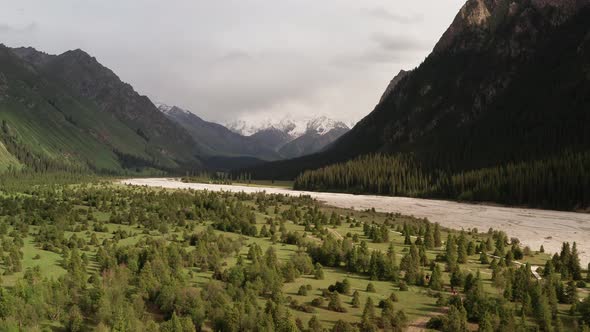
[[285, 138]]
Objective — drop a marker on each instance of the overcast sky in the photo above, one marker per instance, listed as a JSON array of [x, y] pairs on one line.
[[241, 59]]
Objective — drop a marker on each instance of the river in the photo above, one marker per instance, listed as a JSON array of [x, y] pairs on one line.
[[532, 227]]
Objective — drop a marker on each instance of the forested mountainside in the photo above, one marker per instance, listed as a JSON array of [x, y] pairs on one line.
[[68, 112], [508, 84]]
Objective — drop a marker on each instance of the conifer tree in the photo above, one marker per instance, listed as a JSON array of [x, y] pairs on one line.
[[356, 301], [437, 236], [368, 320], [575, 267], [436, 279], [314, 324], [428, 237]]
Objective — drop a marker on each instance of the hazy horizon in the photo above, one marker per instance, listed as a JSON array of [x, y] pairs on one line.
[[233, 60]]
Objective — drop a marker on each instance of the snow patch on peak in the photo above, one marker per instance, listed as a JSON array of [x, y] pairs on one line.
[[289, 125], [167, 109], [322, 125], [163, 107]]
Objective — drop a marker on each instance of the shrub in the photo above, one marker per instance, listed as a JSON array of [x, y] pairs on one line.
[[403, 286], [302, 291], [317, 302]]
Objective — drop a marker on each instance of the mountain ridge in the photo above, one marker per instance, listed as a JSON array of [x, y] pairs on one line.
[[67, 110], [284, 138]]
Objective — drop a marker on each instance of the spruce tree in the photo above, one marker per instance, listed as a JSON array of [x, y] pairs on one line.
[[319, 271], [437, 236], [314, 324], [575, 267], [368, 320], [436, 279], [356, 300], [428, 237]]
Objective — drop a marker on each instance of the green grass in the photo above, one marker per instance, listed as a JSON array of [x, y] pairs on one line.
[[7, 160], [49, 263]]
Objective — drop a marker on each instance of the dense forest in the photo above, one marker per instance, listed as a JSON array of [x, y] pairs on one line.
[[562, 182]]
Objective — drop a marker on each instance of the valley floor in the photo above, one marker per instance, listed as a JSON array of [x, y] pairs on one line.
[[531, 226]]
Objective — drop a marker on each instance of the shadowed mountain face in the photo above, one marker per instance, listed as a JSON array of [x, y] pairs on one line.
[[312, 142], [507, 82], [70, 111], [217, 139]]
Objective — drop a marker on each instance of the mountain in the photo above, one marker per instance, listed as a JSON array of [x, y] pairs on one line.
[[320, 133], [396, 79], [507, 84], [292, 127], [292, 137], [69, 112], [216, 139], [269, 141]]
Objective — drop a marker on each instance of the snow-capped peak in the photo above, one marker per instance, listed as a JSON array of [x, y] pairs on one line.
[[167, 109], [163, 107], [293, 127], [322, 125]]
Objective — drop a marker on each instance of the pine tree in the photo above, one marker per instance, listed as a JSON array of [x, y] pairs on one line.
[[314, 324], [462, 249], [483, 258], [319, 272], [368, 320], [428, 237], [437, 236], [575, 267], [485, 325], [75, 320], [455, 320], [451, 253], [356, 300], [436, 279], [548, 270], [346, 288]]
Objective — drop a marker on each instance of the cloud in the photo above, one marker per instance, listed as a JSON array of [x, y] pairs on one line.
[[398, 43], [229, 59], [7, 28], [384, 14]]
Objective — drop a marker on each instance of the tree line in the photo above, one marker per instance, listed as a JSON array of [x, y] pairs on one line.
[[562, 182]]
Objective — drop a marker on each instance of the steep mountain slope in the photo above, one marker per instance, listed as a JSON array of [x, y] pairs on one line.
[[218, 140], [272, 138], [497, 88], [69, 111], [507, 83], [83, 76]]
